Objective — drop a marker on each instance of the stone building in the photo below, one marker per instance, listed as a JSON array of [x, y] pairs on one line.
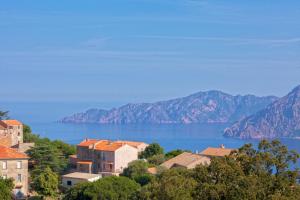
[[104, 156], [14, 164], [11, 133]]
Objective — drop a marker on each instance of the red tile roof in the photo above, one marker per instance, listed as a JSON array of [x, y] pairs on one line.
[[87, 142], [9, 153], [105, 145], [12, 122], [5, 141], [131, 143]]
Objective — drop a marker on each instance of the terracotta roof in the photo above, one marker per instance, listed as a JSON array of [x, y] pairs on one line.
[[87, 142], [152, 170], [9, 153], [106, 145], [131, 143], [12, 122], [85, 162], [210, 151], [5, 140], [186, 159]]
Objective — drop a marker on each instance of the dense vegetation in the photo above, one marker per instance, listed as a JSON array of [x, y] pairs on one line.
[[49, 159], [6, 186], [113, 188], [247, 174]]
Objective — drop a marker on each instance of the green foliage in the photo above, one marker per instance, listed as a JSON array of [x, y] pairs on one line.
[[47, 153], [6, 186], [108, 188], [135, 168], [174, 184], [3, 115], [156, 159], [248, 174], [28, 136], [137, 171], [151, 150], [46, 183], [174, 153]]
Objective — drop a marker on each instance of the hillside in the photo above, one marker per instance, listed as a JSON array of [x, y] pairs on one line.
[[280, 119], [202, 107]]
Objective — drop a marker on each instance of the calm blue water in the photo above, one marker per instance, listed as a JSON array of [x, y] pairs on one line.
[[42, 118]]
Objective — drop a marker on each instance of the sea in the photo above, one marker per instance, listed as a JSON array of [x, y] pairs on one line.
[[43, 119]]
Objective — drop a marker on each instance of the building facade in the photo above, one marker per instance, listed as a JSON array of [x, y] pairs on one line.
[[11, 133], [104, 156], [14, 164]]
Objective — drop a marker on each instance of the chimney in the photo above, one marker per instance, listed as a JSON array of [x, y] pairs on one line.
[[196, 152], [222, 146]]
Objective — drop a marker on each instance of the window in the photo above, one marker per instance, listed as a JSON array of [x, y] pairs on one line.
[[4, 165], [19, 178], [19, 165], [69, 183]]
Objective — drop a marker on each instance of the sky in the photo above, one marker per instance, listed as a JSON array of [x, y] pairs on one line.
[[146, 50]]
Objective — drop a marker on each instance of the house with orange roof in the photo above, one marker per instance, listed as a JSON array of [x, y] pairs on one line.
[[141, 146], [14, 164], [11, 133], [105, 156], [216, 152]]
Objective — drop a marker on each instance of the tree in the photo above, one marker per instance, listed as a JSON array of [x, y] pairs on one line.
[[46, 183], [156, 159], [107, 188], [46, 155], [135, 168], [174, 184], [151, 150], [28, 136], [3, 115], [138, 171], [6, 187], [248, 174], [174, 153]]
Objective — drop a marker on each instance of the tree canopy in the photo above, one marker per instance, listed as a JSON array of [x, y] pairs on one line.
[[6, 186], [107, 188], [138, 171], [3, 115], [152, 150], [46, 183]]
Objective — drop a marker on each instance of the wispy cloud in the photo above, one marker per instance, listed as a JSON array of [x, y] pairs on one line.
[[239, 41], [95, 42]]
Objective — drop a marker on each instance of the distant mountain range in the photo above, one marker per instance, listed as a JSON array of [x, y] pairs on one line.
[[202, 107], [280, 119]]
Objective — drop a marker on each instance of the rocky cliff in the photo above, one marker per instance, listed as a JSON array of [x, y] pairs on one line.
[[278, 120], [202, 107]]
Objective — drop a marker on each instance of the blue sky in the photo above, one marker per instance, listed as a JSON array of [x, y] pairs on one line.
[[146, 50]]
